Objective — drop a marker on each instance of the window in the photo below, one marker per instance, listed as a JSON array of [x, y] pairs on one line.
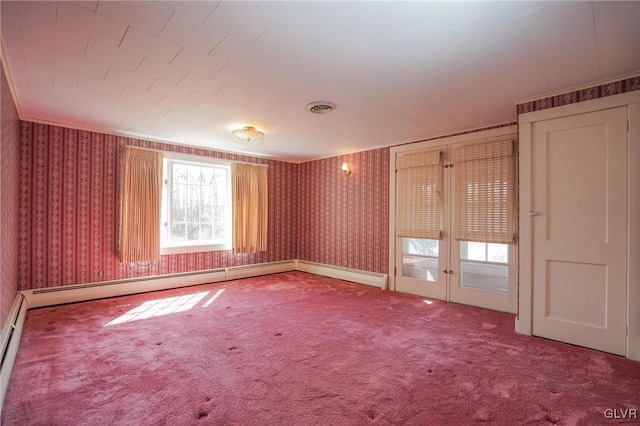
[[484, 252], [420, 258], [484, 266], [196, 205]]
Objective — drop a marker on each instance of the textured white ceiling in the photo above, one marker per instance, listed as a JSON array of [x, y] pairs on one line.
[[190, 72]]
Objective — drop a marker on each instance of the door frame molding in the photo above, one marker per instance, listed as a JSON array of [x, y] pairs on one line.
[[479, 136], [524, 319]]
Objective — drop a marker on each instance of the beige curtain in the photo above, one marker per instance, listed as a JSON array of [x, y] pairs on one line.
[[419, 186], [485, 193], [249, 199], [141, 204]]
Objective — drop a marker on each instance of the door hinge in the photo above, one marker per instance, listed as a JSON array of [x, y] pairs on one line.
[[395, 271]]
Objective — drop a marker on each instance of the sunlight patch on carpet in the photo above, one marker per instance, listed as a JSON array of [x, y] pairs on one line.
[[428, 302], [160, 307], [214, 297]]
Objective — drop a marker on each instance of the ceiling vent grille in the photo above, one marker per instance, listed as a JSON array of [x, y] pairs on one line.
[[320, 107]]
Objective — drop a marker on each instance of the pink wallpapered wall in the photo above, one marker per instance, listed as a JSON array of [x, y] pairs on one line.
[[70, 202], [344, 220], [70, 205], [9, 194]]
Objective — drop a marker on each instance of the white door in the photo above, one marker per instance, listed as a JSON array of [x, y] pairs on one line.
[[579, 199], [473, 273], [421, 265]]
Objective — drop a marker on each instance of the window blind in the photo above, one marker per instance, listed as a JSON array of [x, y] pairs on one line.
[[484, 192], [419, 185]]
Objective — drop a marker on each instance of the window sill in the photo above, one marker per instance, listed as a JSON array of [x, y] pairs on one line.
[[194, 248]]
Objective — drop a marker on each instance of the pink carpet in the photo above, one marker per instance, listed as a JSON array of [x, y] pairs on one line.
[[299, 349]]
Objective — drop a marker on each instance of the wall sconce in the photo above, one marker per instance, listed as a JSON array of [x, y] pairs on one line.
[[345, 169]]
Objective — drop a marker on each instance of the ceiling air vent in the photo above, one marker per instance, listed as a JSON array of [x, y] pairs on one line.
[[320, 107]]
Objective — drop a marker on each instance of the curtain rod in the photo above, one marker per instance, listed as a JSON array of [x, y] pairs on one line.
[[194, 155]]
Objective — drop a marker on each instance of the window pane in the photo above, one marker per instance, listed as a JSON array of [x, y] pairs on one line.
[[498, 253], [424, 268], [473, 251], [206, 232], [207, 175], [179, 173], [484, 252], [206, 212], [193, 213], [193, 232], [178, 232], [220, 233], [484, 276], [194, 177], [177, 212], [425, 247]]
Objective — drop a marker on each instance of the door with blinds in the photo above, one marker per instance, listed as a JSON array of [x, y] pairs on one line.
[[420, 250], [453, 222], [484, 216]]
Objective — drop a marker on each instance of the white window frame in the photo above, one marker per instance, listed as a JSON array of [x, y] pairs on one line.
[[186, 247]]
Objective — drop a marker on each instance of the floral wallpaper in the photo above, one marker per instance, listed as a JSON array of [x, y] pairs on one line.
[[9, 178], [70, 204], [344, 220]]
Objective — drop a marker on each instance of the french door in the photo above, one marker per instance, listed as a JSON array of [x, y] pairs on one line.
[[475, 273]]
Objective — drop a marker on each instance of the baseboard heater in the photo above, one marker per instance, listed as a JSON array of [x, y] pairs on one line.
[[374, 279], [10, 341], [82, 292]]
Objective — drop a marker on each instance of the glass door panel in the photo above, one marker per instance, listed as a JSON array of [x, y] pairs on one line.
[[484, 266], [419, 274], [420, 258], [483, 277]]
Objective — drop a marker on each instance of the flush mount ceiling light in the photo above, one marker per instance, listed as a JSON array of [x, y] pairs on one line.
[[248, 134], [320, 107]]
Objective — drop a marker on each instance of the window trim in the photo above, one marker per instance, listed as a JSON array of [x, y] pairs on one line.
[[201, 161]]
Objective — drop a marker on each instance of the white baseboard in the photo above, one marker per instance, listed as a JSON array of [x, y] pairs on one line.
[[83, 292], [248, 271], [10, 341], [354, 275]]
